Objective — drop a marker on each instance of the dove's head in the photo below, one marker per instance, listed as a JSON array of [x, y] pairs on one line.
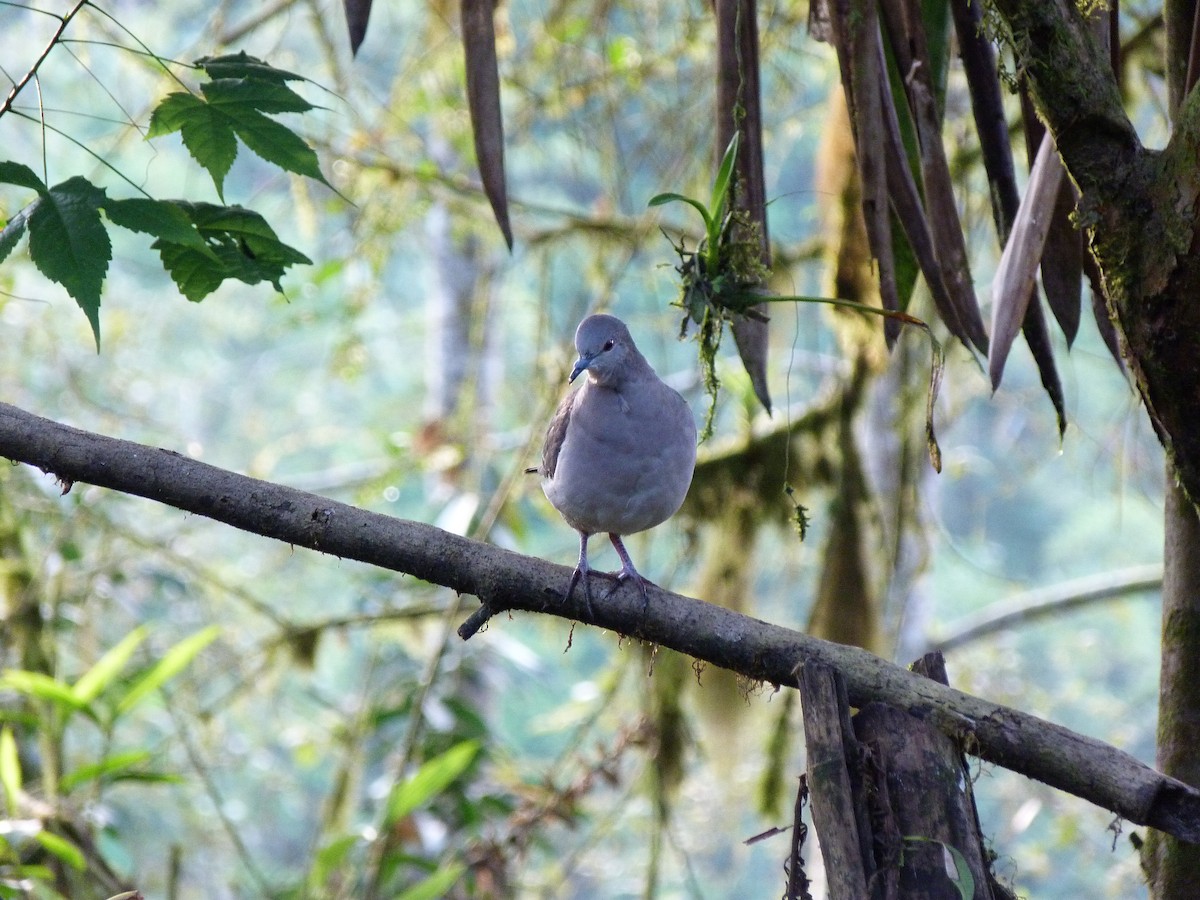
[[606, 350]]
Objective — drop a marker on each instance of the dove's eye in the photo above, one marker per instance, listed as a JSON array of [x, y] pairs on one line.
[[608, 345]]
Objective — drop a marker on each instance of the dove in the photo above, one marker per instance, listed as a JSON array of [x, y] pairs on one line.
[[619, 452]]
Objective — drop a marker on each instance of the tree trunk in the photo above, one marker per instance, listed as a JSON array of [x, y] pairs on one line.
[[1172, 866], [892, 799]]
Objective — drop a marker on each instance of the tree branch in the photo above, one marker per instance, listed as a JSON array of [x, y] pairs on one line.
[[507, 581], [1041, 603]]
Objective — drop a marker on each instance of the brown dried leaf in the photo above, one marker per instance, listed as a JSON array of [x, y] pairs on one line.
[[739, 106], [357, 14], [1104, 322], [483, 100], [1015, 279], [948, 263], [855, 31]]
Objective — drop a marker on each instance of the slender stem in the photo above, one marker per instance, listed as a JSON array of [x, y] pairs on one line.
[[82, 146], [63, 22]]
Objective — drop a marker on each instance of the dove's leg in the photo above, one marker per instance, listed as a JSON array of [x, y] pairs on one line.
[[627, 572], [583, 572]]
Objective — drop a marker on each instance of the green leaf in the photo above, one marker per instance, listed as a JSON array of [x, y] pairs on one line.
[[62, 848], [10, 770], [329, 859], [265, 96], [958, 871], [206, 133], [15, 228], [42, 687], [669, 197], [245, 247], [20, 175], [430, 780], [15, 873], [111, 765], [69, 243], [242, 65], [436, 885], [233, 104], [163, 219], [724, 176], [963, 879], [108, 667], [273, 142], [173, 662]]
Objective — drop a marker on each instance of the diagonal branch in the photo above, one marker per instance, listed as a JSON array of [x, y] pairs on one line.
[[506, 581]]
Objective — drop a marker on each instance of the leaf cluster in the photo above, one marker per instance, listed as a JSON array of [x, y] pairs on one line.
[[201, 245], [720, 278], [104, 694]]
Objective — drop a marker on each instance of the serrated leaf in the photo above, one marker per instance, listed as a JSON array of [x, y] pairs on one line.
[[174, 661], [243, 244], [89, 685], [429, 780], [110, 765], [265, 96], [60, 847], [40, 686], [10, 770], [436, 885], [163, 219], [69, 243], [242, 65], [20, 175], [273, 142], [13, 230], [206, 132], [170, 114]]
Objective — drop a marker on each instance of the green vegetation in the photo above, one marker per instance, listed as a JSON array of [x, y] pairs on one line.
[[197, 712]]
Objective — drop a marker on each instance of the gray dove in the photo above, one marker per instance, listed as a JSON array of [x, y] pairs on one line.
[[620, 451]]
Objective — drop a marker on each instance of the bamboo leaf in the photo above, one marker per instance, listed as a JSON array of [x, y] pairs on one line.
[[10, 770], [110, 765], [436, 885], [63, 849], [174, 661], [429, 780], [108, 667], [41, 686]]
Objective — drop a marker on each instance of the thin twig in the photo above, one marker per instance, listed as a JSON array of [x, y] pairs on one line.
[[63, 22]]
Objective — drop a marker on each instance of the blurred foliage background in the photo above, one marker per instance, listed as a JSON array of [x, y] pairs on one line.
[[411, 370]]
